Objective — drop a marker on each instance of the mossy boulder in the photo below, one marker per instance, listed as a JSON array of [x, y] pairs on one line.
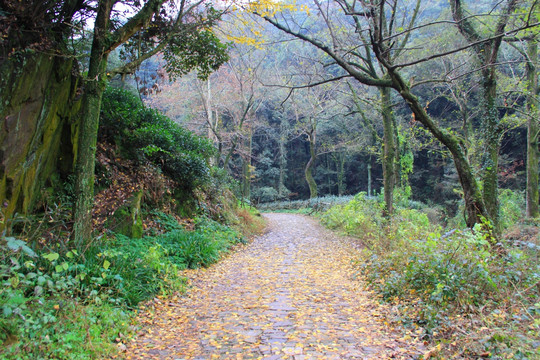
[[127, 220]]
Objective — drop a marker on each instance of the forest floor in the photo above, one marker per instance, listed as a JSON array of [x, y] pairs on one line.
[[292, 293]]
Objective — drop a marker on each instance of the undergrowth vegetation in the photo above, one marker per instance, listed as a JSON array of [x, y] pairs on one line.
[[451, 285], [304, 206], [66, 305], [61, 302]]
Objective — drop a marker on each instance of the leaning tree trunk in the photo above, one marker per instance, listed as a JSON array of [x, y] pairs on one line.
[[85, 162], [369, 177], [475, 209], [532, 130], [389, 154], [309, 166], [487, 50]]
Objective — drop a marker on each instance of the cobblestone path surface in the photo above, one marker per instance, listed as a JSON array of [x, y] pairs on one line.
[[290, 294]]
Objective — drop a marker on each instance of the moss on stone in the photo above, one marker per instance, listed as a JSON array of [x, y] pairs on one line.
[[127, 220], [37, 103]]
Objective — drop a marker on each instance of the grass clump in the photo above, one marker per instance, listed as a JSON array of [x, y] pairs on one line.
[[451, 285], [199, 248]]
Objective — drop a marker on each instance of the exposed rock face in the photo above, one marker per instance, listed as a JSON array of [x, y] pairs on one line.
[[38, 107]]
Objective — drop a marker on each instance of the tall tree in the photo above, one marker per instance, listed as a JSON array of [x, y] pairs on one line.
[[203, 51], [486, 49], [350, 50], [532, 128]]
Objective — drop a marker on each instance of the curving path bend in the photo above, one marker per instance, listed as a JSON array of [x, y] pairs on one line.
[[287, 295]]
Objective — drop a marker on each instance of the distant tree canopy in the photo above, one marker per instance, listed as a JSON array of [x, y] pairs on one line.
[[420, 106], [370, 43], [419, 99]]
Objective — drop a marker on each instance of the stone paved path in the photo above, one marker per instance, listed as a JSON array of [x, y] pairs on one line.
[[288, 295]]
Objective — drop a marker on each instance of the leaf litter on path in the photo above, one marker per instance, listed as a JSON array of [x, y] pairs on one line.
[[290, 294]]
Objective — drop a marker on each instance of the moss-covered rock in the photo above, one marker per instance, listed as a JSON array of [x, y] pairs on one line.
[[37, 111], [127, 220]]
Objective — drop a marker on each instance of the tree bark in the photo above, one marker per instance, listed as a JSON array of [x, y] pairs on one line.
[[312, 137], [389, 151], [87, 138], [211, 131], [486, 54], [532, 210], [341, 173], [369, 177], [103, 43], [282, 160], [492, 139], [246, 168]]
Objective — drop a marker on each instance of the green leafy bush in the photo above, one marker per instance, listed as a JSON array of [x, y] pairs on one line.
[[363, 215], [512, 205], [192, 249], [137, 270], [511, 210], [55, 306], [148, 136], [265, 194]]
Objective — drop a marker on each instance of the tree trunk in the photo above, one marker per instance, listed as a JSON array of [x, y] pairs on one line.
[[103, 43], [491, 136], [328, 177], [341, 174], [212, 123], [532, 130], [246, 169], [474, 203], [87, 137], [369, 177], [389, 151], [398, 153], [311, 163], [282, 161], [486, 54]]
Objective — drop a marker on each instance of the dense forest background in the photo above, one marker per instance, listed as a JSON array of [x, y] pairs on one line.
[[282, 107], [151, 130]]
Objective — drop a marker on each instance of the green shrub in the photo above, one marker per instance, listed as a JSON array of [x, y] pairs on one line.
[[316, 204], [192, 249], [265, 194], [61, 328], [201, 247], [511, 210], [148, 136], [55, 306], [363, 215], [217, 231], [138, 269], [165, 222]]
